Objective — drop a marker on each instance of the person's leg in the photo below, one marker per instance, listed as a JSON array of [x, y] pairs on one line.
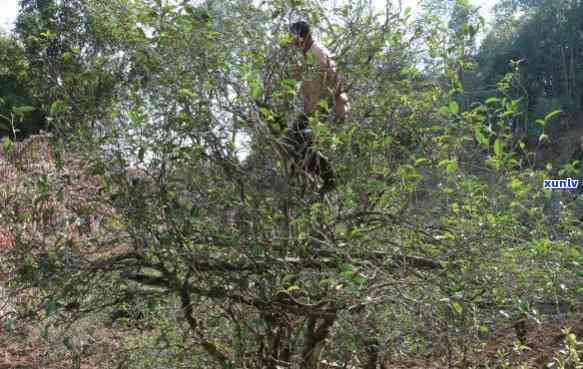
[[295, 145], [318, 165], [313, 162], [293, 139], [299, 141], [322, 167], [328, 176]]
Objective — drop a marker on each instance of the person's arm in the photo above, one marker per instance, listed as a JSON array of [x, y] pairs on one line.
[[341, 105], [328, 66]]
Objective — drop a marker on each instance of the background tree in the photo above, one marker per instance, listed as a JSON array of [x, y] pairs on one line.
[[75, 59], [542, 36], [19, 115]]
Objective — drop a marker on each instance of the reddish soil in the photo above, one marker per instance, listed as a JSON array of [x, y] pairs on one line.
[[543, 342]]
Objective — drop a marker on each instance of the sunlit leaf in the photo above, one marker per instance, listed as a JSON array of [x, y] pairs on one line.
[[480, 137], [457, 307], [498, 147], [454, 108]]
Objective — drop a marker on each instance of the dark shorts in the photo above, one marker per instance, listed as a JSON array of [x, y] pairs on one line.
[[299, 143]]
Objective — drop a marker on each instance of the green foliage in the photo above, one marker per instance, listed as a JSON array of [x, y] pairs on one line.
[[542, 41], [438, 224], [18, 114], [569, 356], [74, 58]]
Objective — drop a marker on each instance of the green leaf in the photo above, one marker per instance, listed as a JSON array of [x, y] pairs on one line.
[[288, 278], [194, 212], [136, 117], [506, 114], [454, 108], [289, 84], [449, 165], [359, 279], [448, 236], [187, 93], [267, 113], [457, 307], [552, 114], [256, 88], [492, 100], [311, 59], [498, 147], [7, 146], [58, 107], [67, 56], [347, 271], [515, 184], [480, 137], [514, 104], [21, 110], [293, 288]]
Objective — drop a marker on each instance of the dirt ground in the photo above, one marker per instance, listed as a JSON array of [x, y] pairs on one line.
[[542, 343], [25, 349]]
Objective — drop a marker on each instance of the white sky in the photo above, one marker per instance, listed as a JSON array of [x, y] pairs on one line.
[[8, 10], [7, 13]]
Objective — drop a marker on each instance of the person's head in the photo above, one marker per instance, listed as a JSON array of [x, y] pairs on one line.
[[301, 32]]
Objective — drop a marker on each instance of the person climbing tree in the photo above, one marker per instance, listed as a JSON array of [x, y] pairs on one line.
[[322, 93]]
